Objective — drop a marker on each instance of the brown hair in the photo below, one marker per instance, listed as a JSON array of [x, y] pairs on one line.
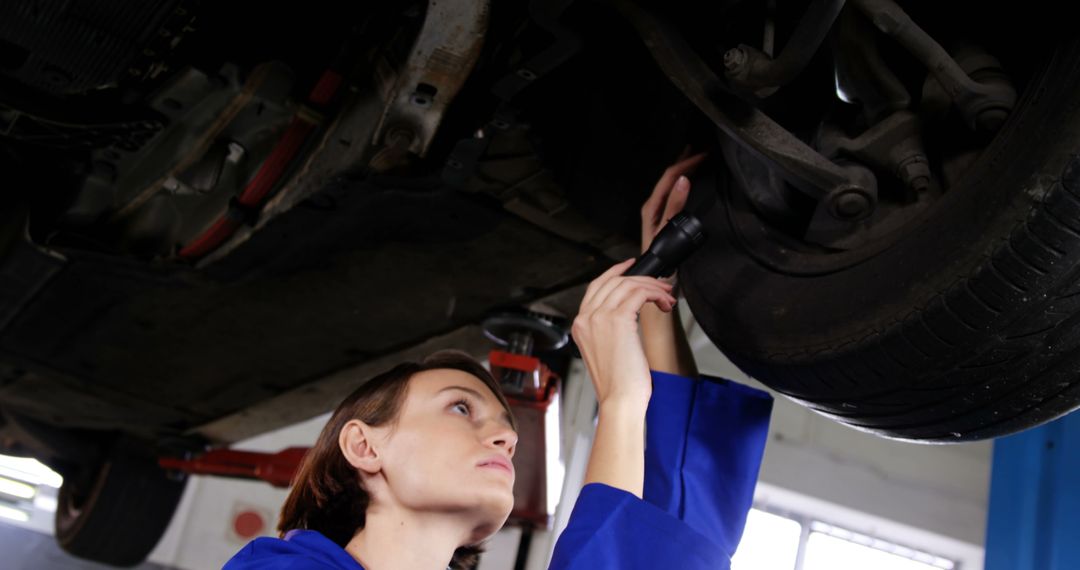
[[327, 493]]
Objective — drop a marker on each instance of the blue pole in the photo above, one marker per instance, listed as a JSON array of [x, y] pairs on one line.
[[1034, 517]]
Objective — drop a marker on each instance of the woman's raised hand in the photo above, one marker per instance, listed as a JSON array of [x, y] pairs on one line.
[[662, 335], [606, 333], [668, 196]]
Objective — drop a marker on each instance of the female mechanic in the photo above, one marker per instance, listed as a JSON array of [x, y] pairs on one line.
[[412, 471]]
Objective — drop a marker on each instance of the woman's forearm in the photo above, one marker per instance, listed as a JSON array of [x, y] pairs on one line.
[[665, 343], [618, 451]]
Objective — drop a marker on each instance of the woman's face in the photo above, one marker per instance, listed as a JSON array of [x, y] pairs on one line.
[[438, 456]]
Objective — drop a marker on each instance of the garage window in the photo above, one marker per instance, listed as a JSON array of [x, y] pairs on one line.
[[786, 541], [22, 481], [769, 542], [833, 548]]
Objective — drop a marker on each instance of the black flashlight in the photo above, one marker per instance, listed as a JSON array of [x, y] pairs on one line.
[[682, 235]]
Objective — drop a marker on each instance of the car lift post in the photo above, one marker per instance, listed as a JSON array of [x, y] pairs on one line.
[[1034, 516]]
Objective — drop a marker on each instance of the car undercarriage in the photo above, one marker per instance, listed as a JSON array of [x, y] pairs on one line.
[[213, 212]]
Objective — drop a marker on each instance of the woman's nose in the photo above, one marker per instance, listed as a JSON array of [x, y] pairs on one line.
[[504, 437]]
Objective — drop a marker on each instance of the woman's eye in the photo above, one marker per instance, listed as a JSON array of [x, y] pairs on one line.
[[462, 405]]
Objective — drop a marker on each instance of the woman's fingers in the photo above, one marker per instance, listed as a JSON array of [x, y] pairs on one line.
[[623, 297], [613, 271], [598, 288], [677, 199], [637, 300], [606, 333], [604, 293], [630, 304], [659, 206], [667, 180]]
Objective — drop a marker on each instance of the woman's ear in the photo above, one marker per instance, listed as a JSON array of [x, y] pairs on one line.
[[355, 440]]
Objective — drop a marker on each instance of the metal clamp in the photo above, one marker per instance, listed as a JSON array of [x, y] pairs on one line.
[[442, 57]]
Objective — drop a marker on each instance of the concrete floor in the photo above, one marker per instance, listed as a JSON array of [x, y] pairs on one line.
[[26, 549]]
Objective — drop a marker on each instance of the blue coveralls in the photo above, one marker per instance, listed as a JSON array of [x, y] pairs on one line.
[[704, 441], [704, 444]]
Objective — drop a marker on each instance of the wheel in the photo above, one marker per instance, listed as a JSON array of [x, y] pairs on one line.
[[964, 328], [118, 515]]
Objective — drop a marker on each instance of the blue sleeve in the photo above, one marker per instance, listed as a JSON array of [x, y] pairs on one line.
[[613, 529], [703, 448], [704, 443]]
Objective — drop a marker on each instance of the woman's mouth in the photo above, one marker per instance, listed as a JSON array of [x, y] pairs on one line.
[[500, 463]]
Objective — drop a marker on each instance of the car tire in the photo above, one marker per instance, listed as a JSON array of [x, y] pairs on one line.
[[119, 514], [967, 327]]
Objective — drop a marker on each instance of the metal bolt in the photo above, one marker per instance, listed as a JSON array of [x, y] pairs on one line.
[[420, 100], [850, 205], [526, 74], [914, 172], [400, 136], [735, 59]]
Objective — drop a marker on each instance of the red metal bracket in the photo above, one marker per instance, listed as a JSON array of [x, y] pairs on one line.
[[277, 469]]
